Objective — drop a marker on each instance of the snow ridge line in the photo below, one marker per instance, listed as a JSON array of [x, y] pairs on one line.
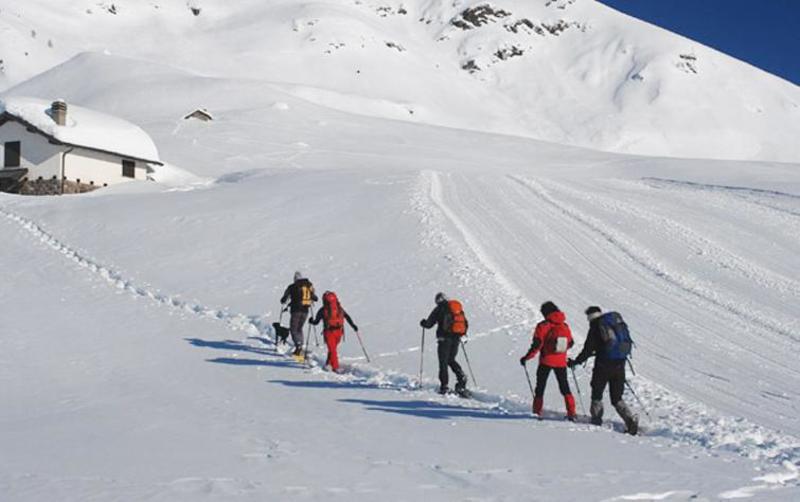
[[705, 428], [641, 258]]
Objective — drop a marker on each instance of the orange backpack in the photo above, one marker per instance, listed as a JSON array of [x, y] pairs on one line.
[[455, 320], [332, 312]]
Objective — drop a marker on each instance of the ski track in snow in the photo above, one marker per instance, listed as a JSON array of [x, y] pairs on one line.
[[756, 196], [642, 259], [708, 249], [682, 419], [686, 422]]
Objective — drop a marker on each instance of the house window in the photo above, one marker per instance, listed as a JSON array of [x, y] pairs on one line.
[[12, 153], [128, 168]]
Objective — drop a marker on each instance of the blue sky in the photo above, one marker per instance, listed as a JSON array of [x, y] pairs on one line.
[[765, 33]]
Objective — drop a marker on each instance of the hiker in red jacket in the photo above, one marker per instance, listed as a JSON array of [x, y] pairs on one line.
[[552, 338], [333, 316]]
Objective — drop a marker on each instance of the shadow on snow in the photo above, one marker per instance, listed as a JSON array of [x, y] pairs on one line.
[[434, 410]]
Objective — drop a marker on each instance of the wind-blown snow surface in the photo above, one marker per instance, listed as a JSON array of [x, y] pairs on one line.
[[569, 71], [136, 360]]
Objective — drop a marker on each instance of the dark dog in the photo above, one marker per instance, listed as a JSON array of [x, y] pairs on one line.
[[281, 333]]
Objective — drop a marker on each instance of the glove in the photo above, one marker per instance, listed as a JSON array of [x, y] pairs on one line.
[[570, 363], [523, 360], [464, 339], [422, 322], [355, 328]]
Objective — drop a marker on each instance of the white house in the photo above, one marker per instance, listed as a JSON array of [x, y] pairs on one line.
[[70, 145]]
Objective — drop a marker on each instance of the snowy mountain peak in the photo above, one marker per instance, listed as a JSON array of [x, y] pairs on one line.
[[567, 71]]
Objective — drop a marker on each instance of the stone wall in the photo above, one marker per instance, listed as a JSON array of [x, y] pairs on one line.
[[53, 187]]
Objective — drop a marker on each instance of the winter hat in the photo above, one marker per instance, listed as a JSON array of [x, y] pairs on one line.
[[297, 276], [593, 312], [548, 308], [440, 298]]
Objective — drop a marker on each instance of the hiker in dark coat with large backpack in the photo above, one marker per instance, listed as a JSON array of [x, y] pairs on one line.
[[609, 342], [451, 324], [300, 295], [552, 338], [333, 317]]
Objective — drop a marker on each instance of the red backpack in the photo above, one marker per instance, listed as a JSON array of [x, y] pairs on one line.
[[332, 312], [455, 320]]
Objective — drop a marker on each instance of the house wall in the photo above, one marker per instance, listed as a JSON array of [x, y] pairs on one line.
[[38, 156], [43, 159], [100, 168]]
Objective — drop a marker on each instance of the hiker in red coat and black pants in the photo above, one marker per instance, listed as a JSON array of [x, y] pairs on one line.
[[333, 316], [552, 338]]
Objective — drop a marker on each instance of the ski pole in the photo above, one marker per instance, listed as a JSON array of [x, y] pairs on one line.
[[578, 388], [364, 350], [641, 404], [310, 326], [308, 337], [469, 366], [528, 377], [633, 371], [421, 356]]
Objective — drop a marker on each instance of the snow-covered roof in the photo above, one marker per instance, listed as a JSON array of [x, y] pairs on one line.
[[84, 128]]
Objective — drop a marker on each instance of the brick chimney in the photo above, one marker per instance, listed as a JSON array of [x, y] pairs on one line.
[[58, 110]]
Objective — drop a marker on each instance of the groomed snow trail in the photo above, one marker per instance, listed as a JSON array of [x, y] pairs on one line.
[[516, 224]]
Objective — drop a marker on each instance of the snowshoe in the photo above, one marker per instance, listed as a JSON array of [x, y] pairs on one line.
[[463, 392], [597, 421], [632, 425], [444, 390], [572, 418]]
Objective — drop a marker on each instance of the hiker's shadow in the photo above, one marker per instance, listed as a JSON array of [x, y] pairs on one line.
[[234, 345], [327, 384], [238, 361], [239, 346], [434, 410]]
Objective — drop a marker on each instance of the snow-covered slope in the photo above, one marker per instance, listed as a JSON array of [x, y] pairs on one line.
[[570, 71], [136, 360]]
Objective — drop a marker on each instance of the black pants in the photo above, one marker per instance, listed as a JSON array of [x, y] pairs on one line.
[[541, 380], [611, 374], [448, 350]]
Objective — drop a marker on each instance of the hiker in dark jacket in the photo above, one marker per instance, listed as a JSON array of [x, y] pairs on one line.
[[447, 346], [300, 295], [606, 372]]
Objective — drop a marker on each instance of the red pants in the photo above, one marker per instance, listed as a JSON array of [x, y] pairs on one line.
[[332, 339]]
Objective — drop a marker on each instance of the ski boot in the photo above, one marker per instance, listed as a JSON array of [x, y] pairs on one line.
[[596, 410], [631, 420]]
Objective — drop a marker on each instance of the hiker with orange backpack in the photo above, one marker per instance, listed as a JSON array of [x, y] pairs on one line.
[[551, 338], [332, 316], [451, 324]]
